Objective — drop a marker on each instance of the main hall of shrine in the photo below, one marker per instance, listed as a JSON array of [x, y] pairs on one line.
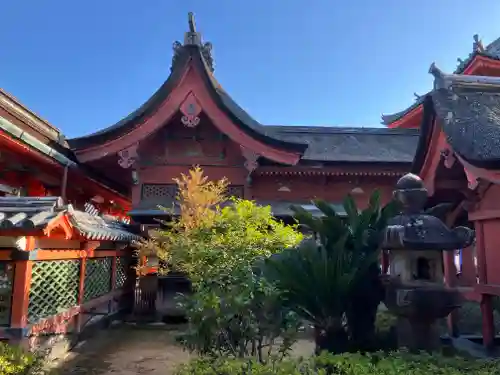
[[450, 137]]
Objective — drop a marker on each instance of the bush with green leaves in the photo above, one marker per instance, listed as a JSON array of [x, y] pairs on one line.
[[395, 363], [16, 361], [335, 284], [233, 310]]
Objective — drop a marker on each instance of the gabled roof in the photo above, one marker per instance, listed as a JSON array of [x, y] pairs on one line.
[[31, 122], [492, 51], [40, 213], [191, 53], [320, 144], [468, 110]]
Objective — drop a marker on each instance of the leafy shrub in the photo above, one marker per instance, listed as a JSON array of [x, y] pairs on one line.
[[232, 310], [385, 321], [336, 284], [395, 363], [224, 366], [16, 361]]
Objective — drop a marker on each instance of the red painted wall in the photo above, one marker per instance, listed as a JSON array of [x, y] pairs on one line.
[[176, 148], [491, 229], [330, 188]]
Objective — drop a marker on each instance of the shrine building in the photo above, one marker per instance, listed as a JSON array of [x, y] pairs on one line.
[[450, 137], [458, 158], [192, 120]]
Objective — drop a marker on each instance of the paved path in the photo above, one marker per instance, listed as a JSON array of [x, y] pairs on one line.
[[126, 351], [129, 350]]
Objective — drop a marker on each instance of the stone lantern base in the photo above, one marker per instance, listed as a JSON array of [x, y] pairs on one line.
[[418, 306]]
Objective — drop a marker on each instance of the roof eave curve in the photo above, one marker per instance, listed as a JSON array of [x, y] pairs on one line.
[[186, 55], [491, 52]]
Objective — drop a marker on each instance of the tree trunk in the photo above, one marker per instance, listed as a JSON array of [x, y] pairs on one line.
[[332, 340], [363, 307]]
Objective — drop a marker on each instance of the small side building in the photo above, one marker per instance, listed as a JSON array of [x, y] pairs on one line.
[[61, 270]]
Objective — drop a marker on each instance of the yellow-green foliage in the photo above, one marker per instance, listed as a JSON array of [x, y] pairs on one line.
[[233, 310], [15, 361], [208, 241]]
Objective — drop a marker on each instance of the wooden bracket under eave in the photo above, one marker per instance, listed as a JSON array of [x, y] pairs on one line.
[[61, 223], [90, 247]]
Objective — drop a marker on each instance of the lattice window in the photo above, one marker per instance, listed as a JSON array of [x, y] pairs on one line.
[[54, 288], [6, 280], [236, 191], [122, 266], [163, 192], [97, 278]]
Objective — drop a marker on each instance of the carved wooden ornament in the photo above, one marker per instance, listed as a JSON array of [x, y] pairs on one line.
[[448, 157], [190, 109], [251, 157], [128, 156]]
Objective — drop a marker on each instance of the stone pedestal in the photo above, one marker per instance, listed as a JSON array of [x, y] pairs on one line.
[[417, 334], [418, 306]]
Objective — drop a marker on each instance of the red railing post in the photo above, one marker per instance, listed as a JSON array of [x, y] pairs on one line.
[[21, 293]]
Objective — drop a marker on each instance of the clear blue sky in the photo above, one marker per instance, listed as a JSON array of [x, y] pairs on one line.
[[84, 65]]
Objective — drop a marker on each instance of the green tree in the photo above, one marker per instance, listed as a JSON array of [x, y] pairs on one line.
[[232, 310]]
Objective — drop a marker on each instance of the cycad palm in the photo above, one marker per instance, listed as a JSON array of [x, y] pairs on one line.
[[340, 275]]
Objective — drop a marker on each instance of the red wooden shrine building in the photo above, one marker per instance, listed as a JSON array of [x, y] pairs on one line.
[[458, 158], [191, 120], [64, 248]]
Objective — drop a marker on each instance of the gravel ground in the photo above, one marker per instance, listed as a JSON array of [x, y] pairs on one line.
[[127, 350]]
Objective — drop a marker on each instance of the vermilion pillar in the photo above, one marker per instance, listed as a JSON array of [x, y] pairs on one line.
[[450, 277], [469, 273], [486, 306], [21, 294]]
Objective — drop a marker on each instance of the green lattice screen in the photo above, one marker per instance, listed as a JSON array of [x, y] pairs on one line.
[[54, 288], [6, 280], [122, 264], [97, 278]]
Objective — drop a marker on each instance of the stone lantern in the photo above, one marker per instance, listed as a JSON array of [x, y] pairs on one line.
[[415, 290]]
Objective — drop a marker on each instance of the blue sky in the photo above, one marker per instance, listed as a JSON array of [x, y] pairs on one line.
[[84, 65]]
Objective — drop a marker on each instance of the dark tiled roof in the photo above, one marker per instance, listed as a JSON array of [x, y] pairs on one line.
[[469, 110], [320, 144], [337, 144], [28, 213], [393, 117], [99, 228], [36, 213], [492, 51], [185, 55]]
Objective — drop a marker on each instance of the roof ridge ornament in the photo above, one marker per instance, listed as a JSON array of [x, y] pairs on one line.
[[193, 38], [477, 46], [450, 81], [440, 81]]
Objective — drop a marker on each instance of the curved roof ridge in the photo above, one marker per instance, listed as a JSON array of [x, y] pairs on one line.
[[491, 51], [342, 130], [192, 51]]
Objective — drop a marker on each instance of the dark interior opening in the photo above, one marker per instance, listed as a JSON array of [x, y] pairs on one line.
[[423, 269]]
